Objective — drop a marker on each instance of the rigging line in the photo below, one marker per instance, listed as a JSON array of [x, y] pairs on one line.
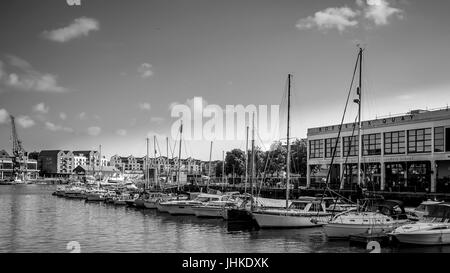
[[342, 123]]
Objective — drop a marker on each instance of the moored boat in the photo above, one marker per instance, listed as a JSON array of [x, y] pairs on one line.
[[302, 213]]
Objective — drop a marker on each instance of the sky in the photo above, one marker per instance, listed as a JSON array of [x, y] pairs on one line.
[[109, 72]]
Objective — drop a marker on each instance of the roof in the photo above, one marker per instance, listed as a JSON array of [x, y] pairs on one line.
[[4, 154]]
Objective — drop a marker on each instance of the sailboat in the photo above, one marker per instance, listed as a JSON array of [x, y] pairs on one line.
[[371, 217], [300, 213]]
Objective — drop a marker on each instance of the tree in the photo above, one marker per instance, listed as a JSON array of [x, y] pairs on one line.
[[299, 156], [235, 162]]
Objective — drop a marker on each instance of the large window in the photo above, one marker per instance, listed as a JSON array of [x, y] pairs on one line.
[[439, 139], [316, 148], [394, 143], [447, 139], [351, 146], [329, 147], [419, 141], [372, 144]]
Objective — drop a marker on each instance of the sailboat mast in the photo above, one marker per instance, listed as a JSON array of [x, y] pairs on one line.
[[288, 159], [154, 159], [246, 161], [167, 160], [252, 162], [359, 115], [209, 166], [147, 174], [179, 157]]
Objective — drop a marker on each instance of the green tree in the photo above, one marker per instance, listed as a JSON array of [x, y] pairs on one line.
[[235, 162]]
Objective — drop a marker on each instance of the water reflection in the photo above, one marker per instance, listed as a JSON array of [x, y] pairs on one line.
[[32, 220]]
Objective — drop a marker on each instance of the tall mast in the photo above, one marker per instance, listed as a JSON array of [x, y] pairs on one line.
[[209, 166], [154, 160], [252, 162], [246, 162], [223, 168], [101, 167], [179, 157], [359, 92], [147, 167], [288, 159], [167, 160]]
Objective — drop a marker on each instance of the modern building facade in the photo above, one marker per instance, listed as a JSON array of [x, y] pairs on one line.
[[406, 153], [7, 167], [61, 163]]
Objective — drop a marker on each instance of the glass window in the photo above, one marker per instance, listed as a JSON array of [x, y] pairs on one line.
[[329, 147], [351, 146], [419, 141], [316, 148], [372, 144], [394, 143]]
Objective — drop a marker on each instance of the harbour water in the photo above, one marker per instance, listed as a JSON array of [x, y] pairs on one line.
[[32, 220]]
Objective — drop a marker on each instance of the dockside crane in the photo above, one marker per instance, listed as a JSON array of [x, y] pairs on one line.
[[19, 154]]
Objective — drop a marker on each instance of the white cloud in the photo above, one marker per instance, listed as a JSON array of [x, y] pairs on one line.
[[145, 106], [4, 116], [145, 70], [339, 18], [25, 77], [55, 128], [79, 27], [121, 132], [94, 130], [379, 11], [25, 121], [63, 116], [376, 11], [82, 115], [41, 108]]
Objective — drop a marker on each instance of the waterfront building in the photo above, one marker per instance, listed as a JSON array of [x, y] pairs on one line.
[[404, 153], [7, 170]]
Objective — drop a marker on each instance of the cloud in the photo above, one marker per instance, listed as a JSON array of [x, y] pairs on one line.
[[79, 27], [4, 116], [121, 132], [25, 121], [25, 77], [379, 11], [55, 128], [145, 70], [375, 11], [62, 116], [41, 108], [94, 131], [339, 18], [145, 106], [82, 115]]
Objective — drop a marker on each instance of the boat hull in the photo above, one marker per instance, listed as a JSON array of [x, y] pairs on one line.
[[151, 205], [438, 238], [181, 210], [338, 230], [265, 220], [139, 203], [205, 212]]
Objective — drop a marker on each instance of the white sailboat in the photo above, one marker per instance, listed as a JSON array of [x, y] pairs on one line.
[[371, 218], [302, 213]]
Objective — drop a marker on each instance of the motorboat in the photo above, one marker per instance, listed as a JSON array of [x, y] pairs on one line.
[[214, 209], [122, 199], [302, 213], [96, 195], [422, 210], [185, 207], [433, 229], [75, 192], [382, 216], [154, 198]]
